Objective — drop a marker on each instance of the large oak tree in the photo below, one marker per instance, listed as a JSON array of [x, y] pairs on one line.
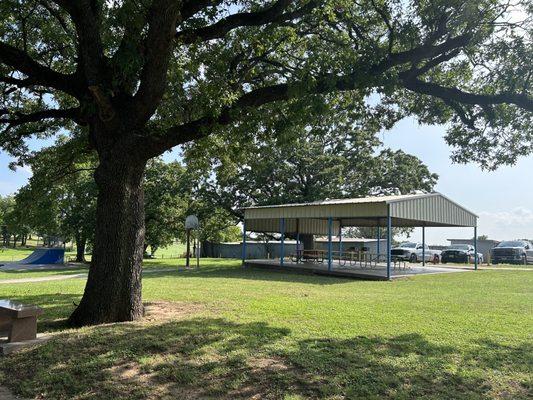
[[141, 77]]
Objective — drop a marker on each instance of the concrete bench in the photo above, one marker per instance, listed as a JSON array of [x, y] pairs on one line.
[[18, 320]]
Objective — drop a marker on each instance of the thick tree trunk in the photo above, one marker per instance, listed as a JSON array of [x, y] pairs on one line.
[[113, 289], [81, 241]]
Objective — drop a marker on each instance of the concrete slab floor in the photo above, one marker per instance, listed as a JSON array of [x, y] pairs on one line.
[[356, 271]]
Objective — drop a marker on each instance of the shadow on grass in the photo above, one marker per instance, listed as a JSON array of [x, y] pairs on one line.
[[248, 273], [214, 358]]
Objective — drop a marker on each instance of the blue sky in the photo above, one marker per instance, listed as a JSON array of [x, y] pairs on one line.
[[503, 199]]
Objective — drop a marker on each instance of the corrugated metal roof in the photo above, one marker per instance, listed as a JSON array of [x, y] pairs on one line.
[[431, 209], [357, 200]]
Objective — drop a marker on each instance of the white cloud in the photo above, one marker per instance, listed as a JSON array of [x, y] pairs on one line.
[[511, 224]]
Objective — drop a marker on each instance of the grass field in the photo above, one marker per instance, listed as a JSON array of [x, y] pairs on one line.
[[9, 254], [226, 332]]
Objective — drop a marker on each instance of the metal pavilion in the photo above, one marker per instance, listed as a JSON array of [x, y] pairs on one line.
[[330, 216]]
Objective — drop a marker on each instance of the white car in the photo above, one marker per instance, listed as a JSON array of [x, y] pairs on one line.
[[414, 252]]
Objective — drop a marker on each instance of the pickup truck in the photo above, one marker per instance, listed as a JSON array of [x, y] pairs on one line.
[[412, 252], [513, 251]]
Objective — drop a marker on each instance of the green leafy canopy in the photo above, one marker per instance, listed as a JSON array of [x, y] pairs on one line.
[[141, 77]]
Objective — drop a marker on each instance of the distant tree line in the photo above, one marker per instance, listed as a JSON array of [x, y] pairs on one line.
[[59, 201]]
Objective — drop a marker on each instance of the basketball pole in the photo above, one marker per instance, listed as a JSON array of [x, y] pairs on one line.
[[187, 262]]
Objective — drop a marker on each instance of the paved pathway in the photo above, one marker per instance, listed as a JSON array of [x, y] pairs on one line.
[[43, 279], [71, 276]]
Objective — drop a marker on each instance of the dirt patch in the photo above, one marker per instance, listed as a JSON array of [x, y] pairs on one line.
[[268, 364], [167, 310], [126, 371]]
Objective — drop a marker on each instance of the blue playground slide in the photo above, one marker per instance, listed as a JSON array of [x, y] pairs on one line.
[[45, 256]]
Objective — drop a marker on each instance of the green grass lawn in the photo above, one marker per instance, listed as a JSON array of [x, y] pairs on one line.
[[10, 254], [175, 250], [227, 332]]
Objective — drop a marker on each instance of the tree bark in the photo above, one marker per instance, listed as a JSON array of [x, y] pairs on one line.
[[81, 241], [113, 289]]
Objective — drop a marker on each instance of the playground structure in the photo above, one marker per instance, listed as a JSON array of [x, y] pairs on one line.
[[45, 255]]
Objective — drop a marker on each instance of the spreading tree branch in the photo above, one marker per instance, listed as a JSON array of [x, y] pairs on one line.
[[17, 119], [162, 18], [85, 15], [328, 83], [37, 73], [274, 13], [453, 94]]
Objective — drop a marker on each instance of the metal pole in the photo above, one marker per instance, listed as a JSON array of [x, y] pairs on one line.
[[282, 250], [197, 251], [330, 223], [297, 240], [188, 247], [423, 246], [389, 239], [340, 241], [379, 240], [243, 242], [475, 248]]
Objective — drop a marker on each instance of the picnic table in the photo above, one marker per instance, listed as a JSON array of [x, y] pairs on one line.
[[18, 320], [308, 255]]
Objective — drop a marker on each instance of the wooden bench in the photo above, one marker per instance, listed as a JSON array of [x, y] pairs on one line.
[[18, 320]]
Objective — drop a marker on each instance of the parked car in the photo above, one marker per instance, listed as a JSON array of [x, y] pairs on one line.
[[460, 253], [513, 251], [413, 252]]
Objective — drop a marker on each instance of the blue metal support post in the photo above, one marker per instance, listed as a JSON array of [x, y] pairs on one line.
[[423, 246], [243, 242], [389, 240], [298, 250], [379, 241], [340, 241], [282, 249], [475, 249], [330, 228]]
